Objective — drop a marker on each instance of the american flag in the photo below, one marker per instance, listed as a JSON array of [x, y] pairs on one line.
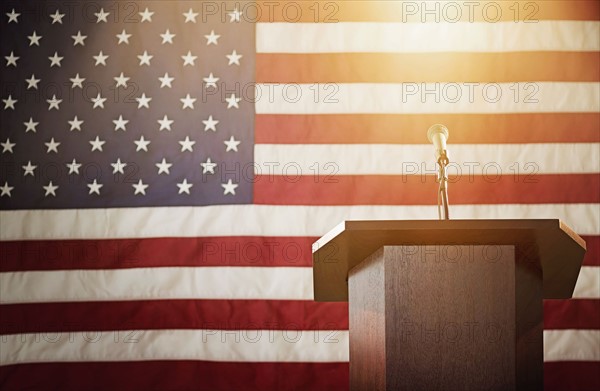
[[166, 165]]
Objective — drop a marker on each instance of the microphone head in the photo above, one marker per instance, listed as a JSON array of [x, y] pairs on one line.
[[435, 130], [438, 135]]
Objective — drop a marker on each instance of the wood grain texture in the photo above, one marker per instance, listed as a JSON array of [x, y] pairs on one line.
[[446, 318], [367, 326], [450, 317], [529, 332]]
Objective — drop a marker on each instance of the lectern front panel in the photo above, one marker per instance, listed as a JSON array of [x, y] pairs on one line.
[[443, 318]]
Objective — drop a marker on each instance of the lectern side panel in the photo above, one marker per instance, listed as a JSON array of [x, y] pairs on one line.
[[330, 271], [530, 315], [367, 324], [450, 317]]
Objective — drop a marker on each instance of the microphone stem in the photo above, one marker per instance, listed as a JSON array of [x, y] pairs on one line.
[[443, 188]]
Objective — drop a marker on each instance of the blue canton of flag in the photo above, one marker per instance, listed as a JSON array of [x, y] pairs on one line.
[[116, 104]]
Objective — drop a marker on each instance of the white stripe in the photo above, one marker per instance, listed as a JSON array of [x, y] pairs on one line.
[[228, 345], [212, 345], [163, 283], [412, 98], [571, 345], [372, 37], [515, 160], [266, 220], [278, 283], [588, 283]]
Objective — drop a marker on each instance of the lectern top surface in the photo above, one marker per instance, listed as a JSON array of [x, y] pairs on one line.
[[558, 248]]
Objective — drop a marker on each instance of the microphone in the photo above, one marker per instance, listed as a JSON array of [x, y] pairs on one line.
[[438, 135]]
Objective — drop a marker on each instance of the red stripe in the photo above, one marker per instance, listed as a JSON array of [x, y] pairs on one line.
[[173, 314], [155, 252], [572, 314], [410, 128], [265, 251], [262, 251], [175, 375], [229, 315], [592, 256], [422, 189], [214, 376], [425, 67], [572, 376]]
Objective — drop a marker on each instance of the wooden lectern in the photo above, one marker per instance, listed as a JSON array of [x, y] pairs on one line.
[[449, 304]]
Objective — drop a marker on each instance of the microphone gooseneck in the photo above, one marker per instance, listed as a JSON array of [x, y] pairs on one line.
[[438, 135]]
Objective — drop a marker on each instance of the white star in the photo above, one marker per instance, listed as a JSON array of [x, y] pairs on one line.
[[234, 58], [5, 190], [211, 81], [231, 144], [29, 169], [229, 187], [98, 101], [145, 58], [120, 123], [123, 37], [212, 38], [232, 101], [143, 101], [101, 16], [34, 39], [184, 187], [165, 123], [50, 189], [188, 102], [75, 124], [146, 15], [121, 80], [208, 167], [13, 16], [11, 59], [95, 187], [187, 144], [100, 59], [190, 16], [9, 102], [188, 59], [53, 103], [52, 146], [165, 81], [77, 81], [163, 167], [7, 146], [30, 125], [79, 39], [235, 15], [57, 17], [55, 60], [32, 82], [210, 124], [167, 37], [140, 188], [141, 144], [97, 144], [74, 167], [118, 166]]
